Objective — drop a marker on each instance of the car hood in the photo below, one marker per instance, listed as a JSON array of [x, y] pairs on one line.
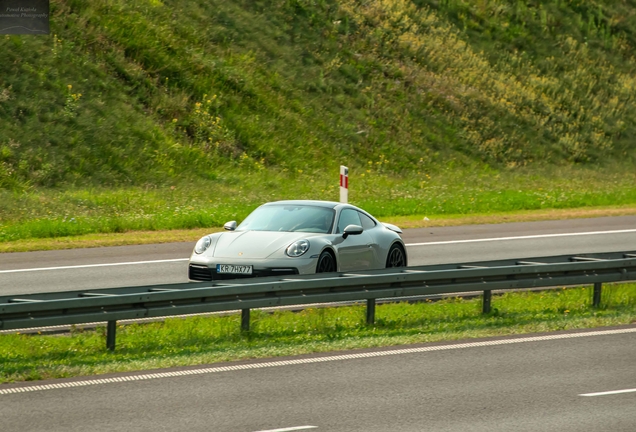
[[255, 244]]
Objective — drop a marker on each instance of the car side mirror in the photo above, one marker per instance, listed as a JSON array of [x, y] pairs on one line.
[[352, 230], [230, 226]]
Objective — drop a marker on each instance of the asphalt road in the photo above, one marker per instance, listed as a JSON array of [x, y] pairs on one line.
[[509, 384], [29, 272], [513, 384]]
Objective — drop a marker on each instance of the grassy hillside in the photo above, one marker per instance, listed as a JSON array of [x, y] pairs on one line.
[[233, 103]]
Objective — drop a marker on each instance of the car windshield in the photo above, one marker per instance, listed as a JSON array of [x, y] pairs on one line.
[[300, 218]]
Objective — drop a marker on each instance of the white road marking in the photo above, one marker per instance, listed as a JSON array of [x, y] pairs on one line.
[[93, 265], [296, 428], [610, 392], [523, 237], [308, 360], [408, 245]]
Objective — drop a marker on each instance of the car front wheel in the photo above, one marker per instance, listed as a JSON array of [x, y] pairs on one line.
[[326, 263], [396, 257]]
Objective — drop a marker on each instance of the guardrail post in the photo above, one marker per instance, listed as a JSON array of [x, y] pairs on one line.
[[596, 298], [370, 311], [245, 320], [487, 300], [111, 332]]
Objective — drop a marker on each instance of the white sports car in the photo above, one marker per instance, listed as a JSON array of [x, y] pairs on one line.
[[298, 237]]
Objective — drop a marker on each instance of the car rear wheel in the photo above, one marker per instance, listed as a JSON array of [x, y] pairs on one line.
[[396, 257], [326, 263]]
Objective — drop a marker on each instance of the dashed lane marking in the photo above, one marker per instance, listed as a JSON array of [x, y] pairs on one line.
[[312, 360], [290, 429], [607, 393]]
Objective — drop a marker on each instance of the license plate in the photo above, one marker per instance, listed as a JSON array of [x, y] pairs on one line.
[[234, 269]]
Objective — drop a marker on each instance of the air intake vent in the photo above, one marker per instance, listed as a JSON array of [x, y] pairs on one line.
[[199, 273]]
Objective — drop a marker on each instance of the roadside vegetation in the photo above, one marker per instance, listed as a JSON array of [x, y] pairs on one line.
[[146, 115], [210, 339], [55, 214]]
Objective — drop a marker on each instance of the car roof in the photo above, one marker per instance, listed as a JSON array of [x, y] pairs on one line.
[[327, 204], [317, 203]]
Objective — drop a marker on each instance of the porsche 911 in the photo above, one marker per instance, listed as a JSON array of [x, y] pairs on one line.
[[298, 237]]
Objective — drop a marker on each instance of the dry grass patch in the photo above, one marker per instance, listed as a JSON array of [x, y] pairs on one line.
[[103, 240], [417, 221]]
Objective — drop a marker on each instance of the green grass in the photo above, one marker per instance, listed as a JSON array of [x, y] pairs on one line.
[[158, 115], [205, 203], [199, 340], [446, 107], [175, 114]]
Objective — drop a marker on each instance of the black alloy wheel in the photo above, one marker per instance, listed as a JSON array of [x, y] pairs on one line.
[[396, 257], [326, 263]]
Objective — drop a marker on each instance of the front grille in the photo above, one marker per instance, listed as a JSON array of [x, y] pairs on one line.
[[199, 273], [203, 273]]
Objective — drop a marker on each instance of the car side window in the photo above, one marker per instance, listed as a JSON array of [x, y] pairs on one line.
[[347, 217], [367, 222]]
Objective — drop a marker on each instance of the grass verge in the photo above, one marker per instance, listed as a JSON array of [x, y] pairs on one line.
[[204, 340], [58, 219], [415, 221]]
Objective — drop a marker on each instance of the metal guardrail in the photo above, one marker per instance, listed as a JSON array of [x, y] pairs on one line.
[[113, 304]]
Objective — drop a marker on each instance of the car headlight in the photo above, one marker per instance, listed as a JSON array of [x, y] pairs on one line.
[[298, 248], [203, 244]]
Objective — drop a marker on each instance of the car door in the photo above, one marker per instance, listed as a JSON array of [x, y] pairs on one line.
[[356, 251], [371, 228]]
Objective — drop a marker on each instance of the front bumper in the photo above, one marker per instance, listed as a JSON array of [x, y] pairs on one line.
[[201, 269], [200, 272]]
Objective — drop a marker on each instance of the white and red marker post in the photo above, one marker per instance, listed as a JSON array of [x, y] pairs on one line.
[[344, 184]]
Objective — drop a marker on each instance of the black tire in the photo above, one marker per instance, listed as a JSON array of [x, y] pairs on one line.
[[396, 256], [326, 263]]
